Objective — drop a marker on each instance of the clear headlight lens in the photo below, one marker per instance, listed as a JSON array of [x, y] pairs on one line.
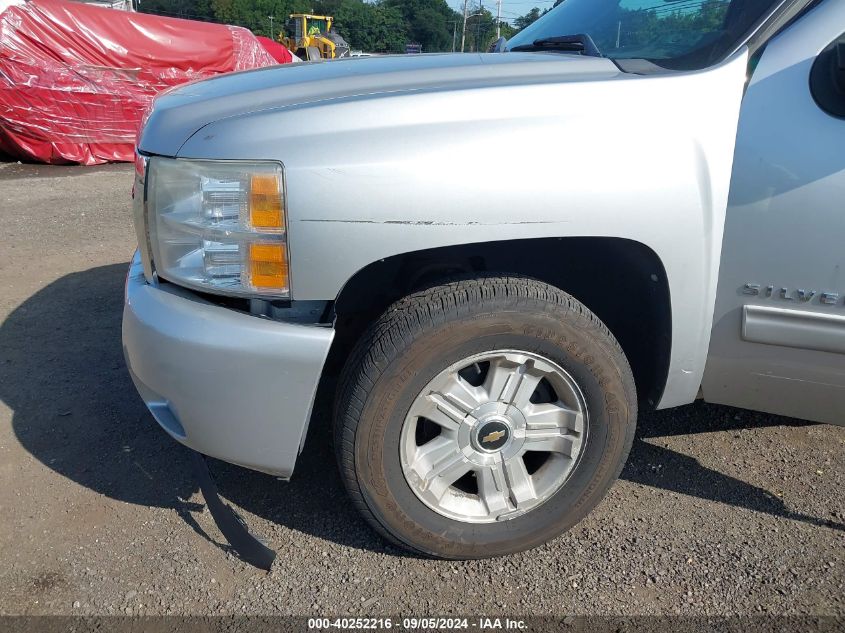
[[219, 226]]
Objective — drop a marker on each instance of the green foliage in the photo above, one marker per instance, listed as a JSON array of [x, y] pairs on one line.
[[379, 26], [253, 14], [663, 32], [383, 26], [654, 32], [188, 9], [532, 16], [431, 23], [507, 30], [375, 28], [481, 29], [386, 26]]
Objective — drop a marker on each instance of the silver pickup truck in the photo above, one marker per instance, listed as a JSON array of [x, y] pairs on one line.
[[631, 204]]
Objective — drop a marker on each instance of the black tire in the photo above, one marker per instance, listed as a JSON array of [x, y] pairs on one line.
[[424, 333]]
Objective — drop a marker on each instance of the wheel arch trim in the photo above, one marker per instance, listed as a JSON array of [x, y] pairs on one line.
[[373, 287]]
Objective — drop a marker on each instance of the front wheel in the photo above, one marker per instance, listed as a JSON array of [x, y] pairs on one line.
[[483, 417]]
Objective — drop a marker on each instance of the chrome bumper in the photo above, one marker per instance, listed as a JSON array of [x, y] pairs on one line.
[[226, 384]]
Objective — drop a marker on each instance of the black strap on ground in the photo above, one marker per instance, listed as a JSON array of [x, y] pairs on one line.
[[233, 527]]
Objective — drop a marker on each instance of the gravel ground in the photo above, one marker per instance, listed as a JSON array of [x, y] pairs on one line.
[[719, 511]]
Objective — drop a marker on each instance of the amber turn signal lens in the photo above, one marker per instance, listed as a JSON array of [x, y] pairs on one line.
[[265, 203], [268, 266]]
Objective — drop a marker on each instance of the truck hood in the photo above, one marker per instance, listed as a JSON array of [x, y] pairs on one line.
[[180, 113]]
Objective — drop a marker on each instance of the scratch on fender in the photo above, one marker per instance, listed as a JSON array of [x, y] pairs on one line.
[[434, 222]]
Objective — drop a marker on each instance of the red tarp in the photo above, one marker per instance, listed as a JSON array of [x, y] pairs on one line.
[[280, 53], [76, 79]]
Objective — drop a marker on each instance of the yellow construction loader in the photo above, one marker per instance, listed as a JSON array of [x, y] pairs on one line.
[[311, 37]]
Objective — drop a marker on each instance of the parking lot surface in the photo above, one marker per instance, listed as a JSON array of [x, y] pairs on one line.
[[719, 510]]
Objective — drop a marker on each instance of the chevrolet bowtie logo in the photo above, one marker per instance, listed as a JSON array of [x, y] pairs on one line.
[[492, 436]]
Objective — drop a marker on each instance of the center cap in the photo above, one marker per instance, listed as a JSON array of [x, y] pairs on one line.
[[493, 431], [493, 435]]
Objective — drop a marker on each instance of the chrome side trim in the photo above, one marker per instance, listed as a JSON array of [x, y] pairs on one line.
[[794, 328]]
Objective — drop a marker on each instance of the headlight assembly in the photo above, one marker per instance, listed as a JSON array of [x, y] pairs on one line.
[[219, 226]]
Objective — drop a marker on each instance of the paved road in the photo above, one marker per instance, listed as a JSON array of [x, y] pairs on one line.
[[719, 511]]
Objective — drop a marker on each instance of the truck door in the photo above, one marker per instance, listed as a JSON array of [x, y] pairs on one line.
[[778, 341]]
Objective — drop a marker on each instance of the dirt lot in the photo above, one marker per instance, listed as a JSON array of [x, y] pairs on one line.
[[719, 511]]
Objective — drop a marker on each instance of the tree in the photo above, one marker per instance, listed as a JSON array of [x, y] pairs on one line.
[[481, 29], [188, 9], [376, 26], [370, 27], [253, 13], [431, 23], [524, 20], [507, 30]]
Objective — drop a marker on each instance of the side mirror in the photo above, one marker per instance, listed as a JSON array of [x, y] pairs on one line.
[[498, 46], [827, 79]]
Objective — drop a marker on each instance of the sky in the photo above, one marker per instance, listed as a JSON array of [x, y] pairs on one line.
[[511, 9]]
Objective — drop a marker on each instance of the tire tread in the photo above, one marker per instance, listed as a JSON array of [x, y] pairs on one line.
[[425, 310]]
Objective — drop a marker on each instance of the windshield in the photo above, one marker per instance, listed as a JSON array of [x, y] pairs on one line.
[[317, 26], [676, 34]]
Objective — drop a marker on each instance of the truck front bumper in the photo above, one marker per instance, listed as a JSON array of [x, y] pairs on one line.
[[227, 384]]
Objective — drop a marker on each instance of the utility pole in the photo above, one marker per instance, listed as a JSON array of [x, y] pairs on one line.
[[477, 34], [464, 31], [466, 16], [454, 33], [272, 37], [498, 19], [478, 26]]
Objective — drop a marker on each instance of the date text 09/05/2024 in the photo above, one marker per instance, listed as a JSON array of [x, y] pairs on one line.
[[481, 623]]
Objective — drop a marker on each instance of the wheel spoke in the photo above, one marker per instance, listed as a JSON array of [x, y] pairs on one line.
[[511, 383], [549, 440], [452, 401], [438, 464], [553, 416], [441, 412], [462, 394], [519, 482], [459, 415], [505, 487], [492, 488]]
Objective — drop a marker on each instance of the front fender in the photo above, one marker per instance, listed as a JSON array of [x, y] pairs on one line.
[[643, 158]]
